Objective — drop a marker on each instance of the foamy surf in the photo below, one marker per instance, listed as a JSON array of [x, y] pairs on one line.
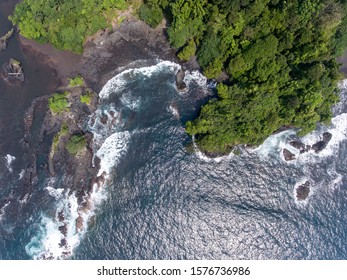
[[275, 144], [111, 151], [130, 101], [195, 77], [8, 160], [205, 158], [117, 83], [59, 235], [21, 174], [3, 208], [174, 111]]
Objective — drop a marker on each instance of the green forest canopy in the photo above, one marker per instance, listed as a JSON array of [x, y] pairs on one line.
[[64, 23], [279, 56]]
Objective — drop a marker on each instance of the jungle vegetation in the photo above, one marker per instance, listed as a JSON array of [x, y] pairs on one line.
[[59, 102], [76, 144], [64, 23], [276, 59], [279, 58]]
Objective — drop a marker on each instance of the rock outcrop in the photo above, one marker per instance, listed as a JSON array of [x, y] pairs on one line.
[[300, 146], [288, 156], [321, 145], [302, 191], [4, 39], [12, 71], [181, 85], [303, 148]]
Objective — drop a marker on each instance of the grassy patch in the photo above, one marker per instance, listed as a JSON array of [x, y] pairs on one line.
[[58, 103], [86, 97], [76, 82], [63, 132], [76, 144]]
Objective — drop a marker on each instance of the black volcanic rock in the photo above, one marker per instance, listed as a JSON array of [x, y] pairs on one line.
[[181, 85], [300, 146], [321, 145], [4, 39], [12, 71], [288, 155], [303, 191]]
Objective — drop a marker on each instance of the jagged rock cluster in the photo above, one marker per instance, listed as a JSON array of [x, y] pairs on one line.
[[303, 148]]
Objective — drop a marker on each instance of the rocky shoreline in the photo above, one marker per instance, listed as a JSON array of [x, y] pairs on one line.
[[106, 54], [303, 148]]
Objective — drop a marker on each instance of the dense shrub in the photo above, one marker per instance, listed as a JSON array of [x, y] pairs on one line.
[[86, 98], [58, 103], [76, 82], [151, 13], [76, 144], [62, 23]]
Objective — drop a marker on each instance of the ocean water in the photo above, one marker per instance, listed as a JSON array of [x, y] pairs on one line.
[[162, 201]]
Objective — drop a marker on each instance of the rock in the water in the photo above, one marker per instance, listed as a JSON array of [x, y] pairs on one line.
[[12, 71], [4, 39], [303, 191], [300, 146], [288, 155], [321, 145], [63, 229], [79, 223], [181, 85]]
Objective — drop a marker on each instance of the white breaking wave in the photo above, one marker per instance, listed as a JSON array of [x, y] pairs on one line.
[[337, 109], [2, 209], [174, 111], [56, 193], [8, 162], [58, 236], [338, 129], [110, 152], [51, 242], [275, 144], [21, 174], [196, 77], [118, 82], [203, 157], [130, 101]]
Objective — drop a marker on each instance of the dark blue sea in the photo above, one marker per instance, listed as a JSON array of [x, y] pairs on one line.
[[164, 200]]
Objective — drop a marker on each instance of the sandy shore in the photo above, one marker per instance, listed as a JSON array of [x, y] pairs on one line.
[[65, 63]]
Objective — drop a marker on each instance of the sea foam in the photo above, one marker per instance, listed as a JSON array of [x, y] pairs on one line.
[[110, 152], [8, 159], [117, 83]]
